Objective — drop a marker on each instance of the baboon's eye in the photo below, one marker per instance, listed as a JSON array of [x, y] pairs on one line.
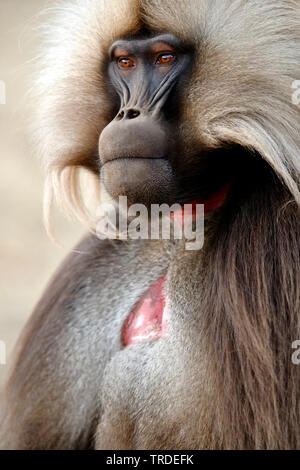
[[167, 58], [126, 63]]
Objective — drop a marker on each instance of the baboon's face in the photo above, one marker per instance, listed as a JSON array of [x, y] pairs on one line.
[[142, 152]]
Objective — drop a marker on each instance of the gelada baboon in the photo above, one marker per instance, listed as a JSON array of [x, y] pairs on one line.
[[169, 101]]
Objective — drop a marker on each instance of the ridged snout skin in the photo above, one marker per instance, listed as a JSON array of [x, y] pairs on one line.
[[142, 137]]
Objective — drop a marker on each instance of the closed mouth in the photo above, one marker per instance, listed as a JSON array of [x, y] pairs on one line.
[[131, 159]]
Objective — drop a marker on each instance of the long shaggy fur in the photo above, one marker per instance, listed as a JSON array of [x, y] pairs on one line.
[[240, 92], [247, 57]]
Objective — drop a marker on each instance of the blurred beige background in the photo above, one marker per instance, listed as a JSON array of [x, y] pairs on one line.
[[27, 257]]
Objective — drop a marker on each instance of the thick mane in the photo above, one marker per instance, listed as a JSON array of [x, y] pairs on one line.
[[72, 105], [240, 93], [241, 89], [250, 312]]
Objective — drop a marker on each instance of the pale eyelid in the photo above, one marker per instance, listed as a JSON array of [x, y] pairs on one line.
[[160, 47], [119, 52]]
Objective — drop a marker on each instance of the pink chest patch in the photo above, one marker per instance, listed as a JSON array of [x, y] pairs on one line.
[[148, 319]]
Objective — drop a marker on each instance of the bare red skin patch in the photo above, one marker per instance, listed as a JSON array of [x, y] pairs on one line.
[[211, 204], [148, 320]]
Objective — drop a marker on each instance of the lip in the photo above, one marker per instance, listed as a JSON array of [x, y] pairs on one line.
[[135, 159]]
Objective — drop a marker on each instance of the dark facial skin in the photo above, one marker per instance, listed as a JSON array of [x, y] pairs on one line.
[[140, 152], [136, 147]]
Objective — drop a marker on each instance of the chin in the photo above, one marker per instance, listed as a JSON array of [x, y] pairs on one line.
[[143, 180]]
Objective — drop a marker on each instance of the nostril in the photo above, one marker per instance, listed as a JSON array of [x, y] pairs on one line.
[[120, 115], [132, 114]]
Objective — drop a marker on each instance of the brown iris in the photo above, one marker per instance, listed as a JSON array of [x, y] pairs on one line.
[[126, 63], [165, 59]]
